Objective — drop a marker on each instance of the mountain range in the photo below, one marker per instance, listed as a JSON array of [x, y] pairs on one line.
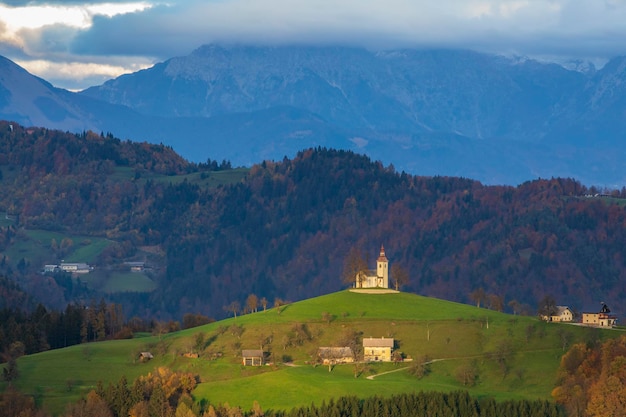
[[428, 112]]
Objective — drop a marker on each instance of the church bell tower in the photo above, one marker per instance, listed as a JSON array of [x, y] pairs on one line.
[[382, 269]]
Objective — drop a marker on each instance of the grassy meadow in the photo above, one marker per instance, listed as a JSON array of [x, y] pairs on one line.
[[205, 179], [450, 333], [35, 246]]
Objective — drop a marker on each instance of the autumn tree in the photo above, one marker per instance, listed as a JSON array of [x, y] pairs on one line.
[[10, 372], [14, 403], [94, 406], [592, 379], [252, 303], [278, 303]]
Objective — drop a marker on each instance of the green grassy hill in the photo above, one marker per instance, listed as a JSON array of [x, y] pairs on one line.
[[454, 334]]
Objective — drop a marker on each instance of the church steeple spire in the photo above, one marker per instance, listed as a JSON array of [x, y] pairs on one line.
[[381, 255]]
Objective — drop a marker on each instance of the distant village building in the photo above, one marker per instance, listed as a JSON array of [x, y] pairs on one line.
[[252, 357], [378, 278], [335, 355], [136, 266], [603, 318], [71, 267], [562, 314], [145, 356], [377, 350], [75, 267]]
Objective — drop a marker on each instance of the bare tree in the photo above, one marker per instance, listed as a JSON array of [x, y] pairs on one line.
[[467, 374], [277, 303], [264, 303], [233, 307], [327, 317], [566, 337], [502, 355], [547, 306], [399, 276], [421, 366], [252, 303], [478, 296], [236, 330], [496, 302], [516, 306], [355, 268]]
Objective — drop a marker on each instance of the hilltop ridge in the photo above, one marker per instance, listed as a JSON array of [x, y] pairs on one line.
[[421, 326]]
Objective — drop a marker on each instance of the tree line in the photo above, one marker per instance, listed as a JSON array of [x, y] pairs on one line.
[[285, 230], [164, 393], [24, 332]]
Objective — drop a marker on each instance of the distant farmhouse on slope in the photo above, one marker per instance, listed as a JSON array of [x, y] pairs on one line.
[[601, 319], [377, 350], [378, 278], [562, 314]]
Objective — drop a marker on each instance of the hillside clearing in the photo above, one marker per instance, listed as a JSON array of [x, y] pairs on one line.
[[421, 327]]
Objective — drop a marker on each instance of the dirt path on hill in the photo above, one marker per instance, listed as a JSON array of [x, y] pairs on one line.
[[371, 377]]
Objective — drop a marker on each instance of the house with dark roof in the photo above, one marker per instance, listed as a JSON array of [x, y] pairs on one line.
[[603, 318], [377, 349], [252, 357], [562, 314], [334, 355]]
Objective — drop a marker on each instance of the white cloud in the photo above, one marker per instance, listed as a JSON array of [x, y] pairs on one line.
[[79, 16], [81, 72]]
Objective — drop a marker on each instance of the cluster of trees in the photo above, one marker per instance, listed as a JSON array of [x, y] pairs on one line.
[[26, 332], [592, 379], [42, 329], [166, 394], [286, 230], [162, 393], [453, 404]]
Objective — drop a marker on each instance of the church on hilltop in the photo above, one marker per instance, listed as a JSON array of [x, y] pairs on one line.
[[375, 278]]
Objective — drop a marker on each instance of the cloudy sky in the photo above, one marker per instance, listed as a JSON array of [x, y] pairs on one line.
[[75, 44]]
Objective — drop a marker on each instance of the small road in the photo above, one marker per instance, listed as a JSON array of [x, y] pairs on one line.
[[371, 377]]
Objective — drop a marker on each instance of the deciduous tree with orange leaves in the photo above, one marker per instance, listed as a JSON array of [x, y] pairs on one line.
[[592, 379]]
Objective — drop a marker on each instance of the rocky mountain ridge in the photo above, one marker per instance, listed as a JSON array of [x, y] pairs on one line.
[[429, 112]]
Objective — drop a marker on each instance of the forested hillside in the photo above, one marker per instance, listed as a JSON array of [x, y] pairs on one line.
[[285, 228]]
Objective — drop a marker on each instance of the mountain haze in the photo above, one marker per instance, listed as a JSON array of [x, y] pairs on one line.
[[426, 111]]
